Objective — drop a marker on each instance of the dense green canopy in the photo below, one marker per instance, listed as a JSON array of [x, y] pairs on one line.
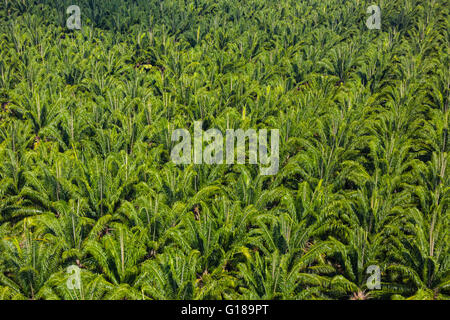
[[86, 179]]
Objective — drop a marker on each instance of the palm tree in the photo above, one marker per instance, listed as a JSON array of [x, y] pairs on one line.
[[26, 265]]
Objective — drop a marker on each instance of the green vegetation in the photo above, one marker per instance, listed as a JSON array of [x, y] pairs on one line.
[[86, 178]]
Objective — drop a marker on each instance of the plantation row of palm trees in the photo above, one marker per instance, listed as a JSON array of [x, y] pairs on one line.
[[86, 119]]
